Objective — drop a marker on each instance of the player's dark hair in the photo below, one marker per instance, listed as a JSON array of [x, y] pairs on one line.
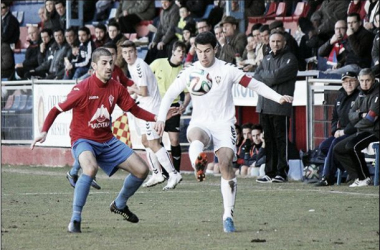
[[206, 38], [98, 53]]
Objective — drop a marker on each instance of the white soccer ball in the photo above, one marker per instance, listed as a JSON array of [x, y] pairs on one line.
[[199, 82], [311, 172]]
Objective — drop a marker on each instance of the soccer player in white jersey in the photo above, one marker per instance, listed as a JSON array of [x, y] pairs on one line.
[[148, 97], [213, 116]]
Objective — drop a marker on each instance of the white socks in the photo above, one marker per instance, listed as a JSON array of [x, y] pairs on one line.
[[228, 188], [153, 161], [165, 160], [196, 147]]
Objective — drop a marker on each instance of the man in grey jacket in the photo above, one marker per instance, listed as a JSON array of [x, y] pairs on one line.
[[278, 70], [165, 36], [131, 12]]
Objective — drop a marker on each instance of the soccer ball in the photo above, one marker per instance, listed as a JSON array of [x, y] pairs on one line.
[[199, 82], [311, 172]]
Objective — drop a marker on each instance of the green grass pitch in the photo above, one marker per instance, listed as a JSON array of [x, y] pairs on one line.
[[36, 209]]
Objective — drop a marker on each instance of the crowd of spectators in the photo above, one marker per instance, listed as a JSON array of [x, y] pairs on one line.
[[344, 33]]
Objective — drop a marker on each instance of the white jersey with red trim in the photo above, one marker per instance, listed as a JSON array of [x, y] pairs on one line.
[[142, 75], [217, 105]]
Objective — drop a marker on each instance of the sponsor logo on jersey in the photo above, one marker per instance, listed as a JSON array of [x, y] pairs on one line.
[[101, 118], [93, 97], [218, 79], [77, 89], [111, 99]]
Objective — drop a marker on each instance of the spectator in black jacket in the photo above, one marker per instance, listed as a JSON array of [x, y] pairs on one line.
[[278, 70], [31, 55], [358, 48], [80, 64], [335, 48], [291, 43], [45, 55], [341, 127], [60, 7], [256, 156], [10, 28], [364, 114], [375, 49], [52, 21], [7, 61]]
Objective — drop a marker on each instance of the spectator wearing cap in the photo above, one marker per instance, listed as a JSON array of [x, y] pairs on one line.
[[10, 27], [101, 35], [165, 36], [364, 115], [327, 15], [341, 127], [291, 42], [131, 12], [278, 70], [233, 43], [358, 48]]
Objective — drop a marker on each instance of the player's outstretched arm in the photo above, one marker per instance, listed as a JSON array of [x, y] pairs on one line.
[[41, 138], [54, 112]]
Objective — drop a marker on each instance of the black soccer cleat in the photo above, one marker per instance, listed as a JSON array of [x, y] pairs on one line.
[[128, 215], [74, 227]]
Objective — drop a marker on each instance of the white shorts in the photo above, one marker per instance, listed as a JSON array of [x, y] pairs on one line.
[[147, 128], [222, 135]]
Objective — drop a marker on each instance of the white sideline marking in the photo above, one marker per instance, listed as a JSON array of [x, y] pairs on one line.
[[189, 192]]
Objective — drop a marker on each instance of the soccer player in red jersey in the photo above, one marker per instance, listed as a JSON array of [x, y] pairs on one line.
[[93, 144]]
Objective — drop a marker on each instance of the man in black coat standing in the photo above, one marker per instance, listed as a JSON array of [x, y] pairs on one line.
[[278, 70], [10, 28]]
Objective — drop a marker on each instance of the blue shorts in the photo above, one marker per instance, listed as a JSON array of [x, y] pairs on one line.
[[109, 155]]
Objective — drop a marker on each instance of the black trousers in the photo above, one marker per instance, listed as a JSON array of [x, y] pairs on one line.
[[348, 153], [128, 23], [276, 135]]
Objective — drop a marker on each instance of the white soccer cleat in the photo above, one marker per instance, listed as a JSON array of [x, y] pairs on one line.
[[173, 181], [154, 180]]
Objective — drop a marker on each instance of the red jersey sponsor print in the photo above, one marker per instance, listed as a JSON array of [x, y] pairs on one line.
[[93, 102]]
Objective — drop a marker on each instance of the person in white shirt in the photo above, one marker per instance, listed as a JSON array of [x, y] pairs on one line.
[[213, 116], [148, 97]]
